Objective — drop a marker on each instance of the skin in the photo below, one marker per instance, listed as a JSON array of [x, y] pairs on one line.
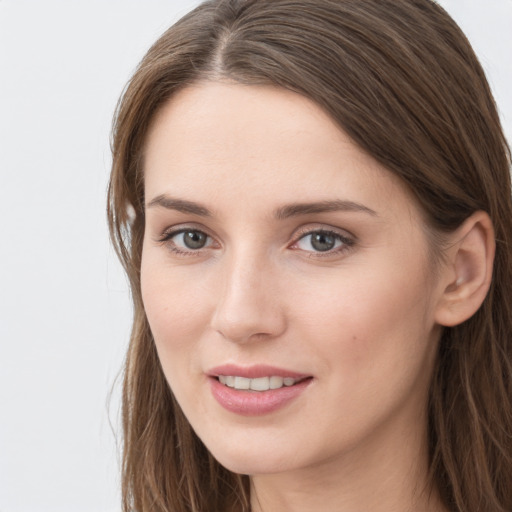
[[360, 319]]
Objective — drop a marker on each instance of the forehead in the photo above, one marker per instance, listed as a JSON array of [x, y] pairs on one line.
[[219, 141]]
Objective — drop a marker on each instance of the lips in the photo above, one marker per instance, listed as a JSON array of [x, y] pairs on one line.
[[255, 390], [254, 371]]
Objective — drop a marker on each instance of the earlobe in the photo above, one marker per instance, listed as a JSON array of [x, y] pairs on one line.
[[468, 270]]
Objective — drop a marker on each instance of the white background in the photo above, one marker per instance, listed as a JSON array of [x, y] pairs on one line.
[[64, 302]]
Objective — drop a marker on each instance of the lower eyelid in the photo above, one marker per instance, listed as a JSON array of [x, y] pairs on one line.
[[344, 243], [167, 236]]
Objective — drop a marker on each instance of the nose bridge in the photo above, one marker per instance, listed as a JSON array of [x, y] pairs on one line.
[[248, 304]]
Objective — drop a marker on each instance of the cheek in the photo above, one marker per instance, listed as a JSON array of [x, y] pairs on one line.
[[175, 305], [372, 350], [369, 325], [176, 317]]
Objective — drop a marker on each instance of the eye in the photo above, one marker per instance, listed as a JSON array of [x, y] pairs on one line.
[[323, 241], [191, 239], [186, 240]]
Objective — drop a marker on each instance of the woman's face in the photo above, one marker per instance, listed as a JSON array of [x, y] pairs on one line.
[[279, 256]]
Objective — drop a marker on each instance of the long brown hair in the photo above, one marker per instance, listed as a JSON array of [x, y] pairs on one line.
[[401, 79]]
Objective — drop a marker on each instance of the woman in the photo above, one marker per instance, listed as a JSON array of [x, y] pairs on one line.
[[312, 202]]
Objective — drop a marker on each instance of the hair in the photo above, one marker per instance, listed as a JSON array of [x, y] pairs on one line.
[[400, 78]]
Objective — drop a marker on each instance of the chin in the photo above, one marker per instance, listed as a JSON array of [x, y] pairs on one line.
[[252, 460], [252, 467]]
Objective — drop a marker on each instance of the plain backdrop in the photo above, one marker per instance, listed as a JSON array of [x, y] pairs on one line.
[[64, 302]]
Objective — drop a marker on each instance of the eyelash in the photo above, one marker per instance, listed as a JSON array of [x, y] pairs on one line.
[[346, 242], [167, 238]]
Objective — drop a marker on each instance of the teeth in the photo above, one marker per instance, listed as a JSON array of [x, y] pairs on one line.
[[242, 383], [258, 384], [276, 382], [261, 384]]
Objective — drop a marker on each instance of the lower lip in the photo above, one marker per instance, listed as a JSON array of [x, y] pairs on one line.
[[255, 403]]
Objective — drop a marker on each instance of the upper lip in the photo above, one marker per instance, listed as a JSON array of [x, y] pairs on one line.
[[254, 371]]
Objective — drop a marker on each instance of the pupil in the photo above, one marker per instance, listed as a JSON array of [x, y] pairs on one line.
[[323, 241], [194, 239]]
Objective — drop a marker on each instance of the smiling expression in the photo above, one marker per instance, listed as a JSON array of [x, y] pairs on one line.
[[278, 256]]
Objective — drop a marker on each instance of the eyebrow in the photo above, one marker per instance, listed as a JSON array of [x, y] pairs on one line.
[[337, 205], [281, 213], [180, 205]]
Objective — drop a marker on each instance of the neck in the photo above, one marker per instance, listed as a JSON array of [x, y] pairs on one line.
[[380, 476]]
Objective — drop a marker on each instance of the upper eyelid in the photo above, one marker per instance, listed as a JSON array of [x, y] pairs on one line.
[[345, 241], [165, 239], [305, 230], [299, 233], [171, 231]]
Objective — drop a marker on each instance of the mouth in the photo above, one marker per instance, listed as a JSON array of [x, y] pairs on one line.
[[258, 384], [256, 390]]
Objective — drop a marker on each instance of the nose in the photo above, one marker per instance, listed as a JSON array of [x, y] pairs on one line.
[[249, 307]]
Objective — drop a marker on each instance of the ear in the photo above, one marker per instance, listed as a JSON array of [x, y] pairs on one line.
[[467, 271]]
